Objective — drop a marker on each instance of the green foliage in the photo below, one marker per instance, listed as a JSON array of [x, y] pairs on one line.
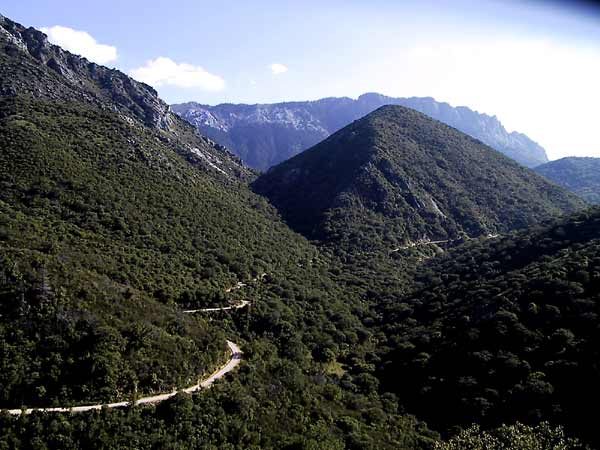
[[114, 216], [108, 227], [503, 330], [580, 175], [113, 219], [268, 404], [397, 177], [513, 437], [96, 184], [63, 346]]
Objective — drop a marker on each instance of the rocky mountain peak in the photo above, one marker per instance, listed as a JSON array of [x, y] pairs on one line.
[[33, 68], [264, 135], [91, 82]]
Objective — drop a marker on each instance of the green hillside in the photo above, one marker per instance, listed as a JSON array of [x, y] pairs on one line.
[[114, 216], [579, 175], [501, 331], [108, 217], [104, 216], [397, 177]]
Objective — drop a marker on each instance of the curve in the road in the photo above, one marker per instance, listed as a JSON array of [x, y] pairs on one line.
[[242, 304], [236, 357]]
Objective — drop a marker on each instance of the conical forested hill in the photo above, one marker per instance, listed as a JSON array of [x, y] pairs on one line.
[[397, 176]]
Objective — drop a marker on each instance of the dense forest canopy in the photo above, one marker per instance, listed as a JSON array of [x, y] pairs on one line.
[[115, 216], [502, 330], [396, 177], [580, 175], [112, 220]]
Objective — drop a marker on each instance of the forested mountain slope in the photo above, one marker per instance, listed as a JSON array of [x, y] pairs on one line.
[[579, 175], [115, 214], [31, 66], [266, 134], [103, 213], [503, 330], [397, 177]]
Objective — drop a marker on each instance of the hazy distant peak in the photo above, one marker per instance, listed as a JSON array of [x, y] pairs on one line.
[[266, 134]]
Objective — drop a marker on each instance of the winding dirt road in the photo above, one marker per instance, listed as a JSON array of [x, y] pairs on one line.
[[422, 243], [234, 361], [242, 304]]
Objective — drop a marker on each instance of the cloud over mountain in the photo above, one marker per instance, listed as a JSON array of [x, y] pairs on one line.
[[81, 43], [164, 71]]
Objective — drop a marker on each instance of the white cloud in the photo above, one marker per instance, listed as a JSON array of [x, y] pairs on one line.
[[278, 69], [81, 43], [164, 71]]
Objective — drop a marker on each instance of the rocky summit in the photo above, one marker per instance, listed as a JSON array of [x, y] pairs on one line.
[[30, 66], [266, 134], [73, 77]]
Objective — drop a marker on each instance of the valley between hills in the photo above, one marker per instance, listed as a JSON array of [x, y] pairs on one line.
[[400, 283]]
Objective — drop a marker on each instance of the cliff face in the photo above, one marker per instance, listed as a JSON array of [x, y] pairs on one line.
[[79, 79], [265, 135]]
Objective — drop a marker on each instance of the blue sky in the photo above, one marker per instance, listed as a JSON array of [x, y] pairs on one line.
[[534, 64]]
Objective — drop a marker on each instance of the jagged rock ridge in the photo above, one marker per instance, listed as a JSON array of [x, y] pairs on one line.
[[31, 66], [266, 134]]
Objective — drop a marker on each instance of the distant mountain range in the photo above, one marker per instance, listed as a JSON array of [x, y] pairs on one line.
[[580, 175], [264, 135], [116, 216], [396, 177]]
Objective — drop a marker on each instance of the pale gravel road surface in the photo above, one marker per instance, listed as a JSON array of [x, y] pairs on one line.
[[421, 243], [242, 304], [236, 357], [234, 361]]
